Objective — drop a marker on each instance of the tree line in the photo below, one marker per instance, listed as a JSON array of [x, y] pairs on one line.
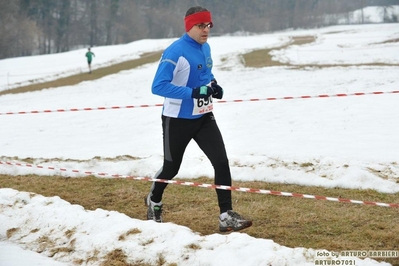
[[30, 27]]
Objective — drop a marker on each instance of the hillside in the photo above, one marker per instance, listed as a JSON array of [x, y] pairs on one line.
[[317, 130]]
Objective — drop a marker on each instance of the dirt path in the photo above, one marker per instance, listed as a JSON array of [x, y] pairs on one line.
[[96, 74], [262, 58]]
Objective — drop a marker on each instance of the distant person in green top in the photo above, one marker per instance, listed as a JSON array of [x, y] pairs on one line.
[[89, 56]]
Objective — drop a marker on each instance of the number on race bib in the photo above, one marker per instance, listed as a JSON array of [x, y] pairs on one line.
[[204, 102], [202, 106]]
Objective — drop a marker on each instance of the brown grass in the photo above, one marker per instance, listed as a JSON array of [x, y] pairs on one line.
[[289, 221]]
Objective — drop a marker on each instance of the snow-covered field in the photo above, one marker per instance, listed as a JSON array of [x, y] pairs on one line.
[[343, 141]]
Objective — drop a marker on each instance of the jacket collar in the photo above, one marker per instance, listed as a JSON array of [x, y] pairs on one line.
[[191, 41]]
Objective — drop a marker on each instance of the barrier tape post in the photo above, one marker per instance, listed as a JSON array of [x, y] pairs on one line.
[[203, 185]]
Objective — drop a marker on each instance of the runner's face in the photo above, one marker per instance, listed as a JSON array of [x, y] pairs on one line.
[[200, 32]]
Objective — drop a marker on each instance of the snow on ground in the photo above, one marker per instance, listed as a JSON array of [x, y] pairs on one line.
[[323, 141]]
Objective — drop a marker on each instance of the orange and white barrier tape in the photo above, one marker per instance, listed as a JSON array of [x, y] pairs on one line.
[[221, 101], [194, 184]]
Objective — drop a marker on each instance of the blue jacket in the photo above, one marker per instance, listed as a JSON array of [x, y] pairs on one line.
[[184, 65]]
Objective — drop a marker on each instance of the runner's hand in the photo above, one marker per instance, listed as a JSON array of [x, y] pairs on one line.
[[217, 91], [202, 92]]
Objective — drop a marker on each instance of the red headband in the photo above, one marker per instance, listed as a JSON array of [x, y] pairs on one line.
[[197, 18]]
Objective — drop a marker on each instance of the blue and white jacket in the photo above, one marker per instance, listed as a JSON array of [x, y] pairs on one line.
[[184, 65]]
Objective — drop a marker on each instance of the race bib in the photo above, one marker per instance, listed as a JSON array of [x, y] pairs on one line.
[[202, 106]]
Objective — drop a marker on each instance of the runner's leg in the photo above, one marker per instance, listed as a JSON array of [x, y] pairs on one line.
[[177, 133], [210, 140]]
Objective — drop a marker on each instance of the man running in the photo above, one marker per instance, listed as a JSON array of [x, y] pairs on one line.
[[89, 56], [184, 77]]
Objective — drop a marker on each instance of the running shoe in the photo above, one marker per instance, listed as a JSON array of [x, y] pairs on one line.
[[232, 221], [154, 210]]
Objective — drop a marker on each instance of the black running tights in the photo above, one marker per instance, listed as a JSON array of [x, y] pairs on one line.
[[177, 133]]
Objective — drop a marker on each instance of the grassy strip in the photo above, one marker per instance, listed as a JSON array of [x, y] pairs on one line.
[[96, 74], [289, 221]]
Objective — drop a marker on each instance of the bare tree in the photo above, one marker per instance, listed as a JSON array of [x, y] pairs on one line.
[[47, 26], [17, 31]]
